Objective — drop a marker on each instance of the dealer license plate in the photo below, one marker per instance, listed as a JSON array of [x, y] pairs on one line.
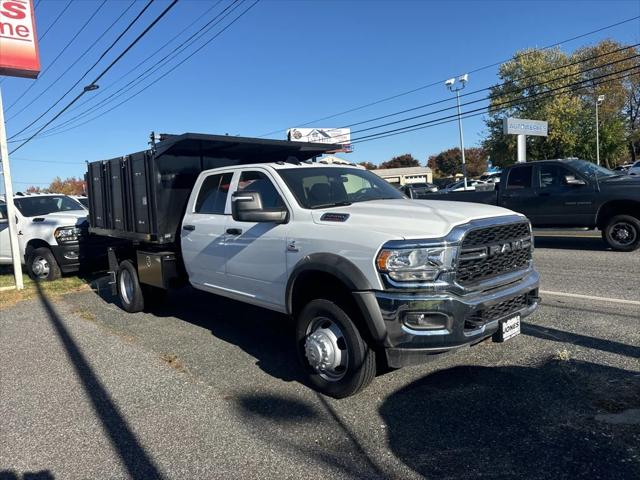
[[509, 328]]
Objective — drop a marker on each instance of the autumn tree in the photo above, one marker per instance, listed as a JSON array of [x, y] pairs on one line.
[[368, 165], [449, 162], [401, 161], [568, 108], [68, 186], [34, 189]]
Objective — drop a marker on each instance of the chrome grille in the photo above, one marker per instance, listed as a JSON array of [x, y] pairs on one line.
[[493, 251]]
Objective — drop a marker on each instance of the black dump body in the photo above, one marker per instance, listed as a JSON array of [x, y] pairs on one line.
[[143, 196]]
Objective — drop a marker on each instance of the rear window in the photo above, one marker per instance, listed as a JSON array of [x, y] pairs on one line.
[[212, 197], [520, 178]]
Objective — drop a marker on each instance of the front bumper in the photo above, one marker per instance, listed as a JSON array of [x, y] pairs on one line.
[[89, 253], [461, 320]]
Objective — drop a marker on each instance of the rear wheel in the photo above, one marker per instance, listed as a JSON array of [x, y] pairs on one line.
[[42, 265], [622, 233], [129, 291], [336, 358]]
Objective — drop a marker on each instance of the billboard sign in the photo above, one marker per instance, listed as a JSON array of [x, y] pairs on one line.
[[18, 40], [340, 136], [518, 126]]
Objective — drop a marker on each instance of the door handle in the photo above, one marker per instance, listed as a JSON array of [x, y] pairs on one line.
[[190, 228], [234, 231]]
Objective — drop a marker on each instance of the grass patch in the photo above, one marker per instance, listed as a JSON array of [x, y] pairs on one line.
[[9, 298]]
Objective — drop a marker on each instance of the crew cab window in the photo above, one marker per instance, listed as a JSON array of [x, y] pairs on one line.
[[259, 182], [552, 175], [213, 194], [519, 178]]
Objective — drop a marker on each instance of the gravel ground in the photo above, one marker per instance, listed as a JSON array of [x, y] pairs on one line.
[[209, 388]]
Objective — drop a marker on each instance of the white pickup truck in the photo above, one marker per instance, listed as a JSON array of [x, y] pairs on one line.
[[50, 227], [370, 277]]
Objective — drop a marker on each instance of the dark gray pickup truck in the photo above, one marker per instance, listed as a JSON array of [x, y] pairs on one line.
[[567, 194]]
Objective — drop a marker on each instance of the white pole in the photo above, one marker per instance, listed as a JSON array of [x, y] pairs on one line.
[[8, 193], [597, 136], [464, 165], [522, 148]]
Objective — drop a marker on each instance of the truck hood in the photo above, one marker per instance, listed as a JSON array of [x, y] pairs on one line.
[[410, 219], [622, 180], [70, 217]]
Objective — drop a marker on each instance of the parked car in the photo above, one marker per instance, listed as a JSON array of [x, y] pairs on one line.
[[50, 229], [459, 186], [634, 169], [83, 200], [417, 190], [568, 193], [370, 278]]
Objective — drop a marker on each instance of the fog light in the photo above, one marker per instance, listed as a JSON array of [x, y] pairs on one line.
[[425, 320], [72, 255]]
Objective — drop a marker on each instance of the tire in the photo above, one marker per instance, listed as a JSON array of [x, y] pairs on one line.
[[42, 265], [128, 287], [325, 332], [622, 233]]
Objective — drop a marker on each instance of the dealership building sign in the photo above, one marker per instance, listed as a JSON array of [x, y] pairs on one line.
[[339, 136], [522, 128], [18, 40]]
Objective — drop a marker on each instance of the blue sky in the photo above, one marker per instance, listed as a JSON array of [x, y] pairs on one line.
[[283, 64]]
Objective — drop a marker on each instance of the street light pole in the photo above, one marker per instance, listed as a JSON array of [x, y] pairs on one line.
[[462, 79], [598, 102]]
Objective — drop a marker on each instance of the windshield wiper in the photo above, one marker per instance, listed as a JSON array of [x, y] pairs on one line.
[[329, 205]]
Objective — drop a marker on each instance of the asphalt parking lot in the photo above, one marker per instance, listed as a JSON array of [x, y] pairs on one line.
[[209, 388]]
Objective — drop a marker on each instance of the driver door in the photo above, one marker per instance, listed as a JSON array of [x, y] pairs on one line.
[[256, 251]]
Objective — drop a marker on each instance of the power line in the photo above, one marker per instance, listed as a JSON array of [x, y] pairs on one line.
[[450, 98], [439, 82], [160, 77], [131, 23], [93, 83], [68, 69], [498, 106], [563, 77], [151, 70], [54, 21], [43, 72], [465, 116]]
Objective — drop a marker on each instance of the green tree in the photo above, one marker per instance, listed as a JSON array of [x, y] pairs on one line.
[[400, 161], [449, 162]]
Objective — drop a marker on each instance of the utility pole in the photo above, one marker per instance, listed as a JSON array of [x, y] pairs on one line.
[[598, 102], [462, 81], [8, 194]]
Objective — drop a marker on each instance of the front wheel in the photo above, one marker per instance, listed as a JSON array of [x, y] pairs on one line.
[[622, 233], [42, 265], [336, 358]]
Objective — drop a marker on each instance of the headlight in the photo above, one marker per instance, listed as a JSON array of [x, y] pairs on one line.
[[67, 234], [416, 264]]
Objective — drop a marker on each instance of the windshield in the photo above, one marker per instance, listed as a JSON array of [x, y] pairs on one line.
[[333, 186], [589, 169], [34, 206]]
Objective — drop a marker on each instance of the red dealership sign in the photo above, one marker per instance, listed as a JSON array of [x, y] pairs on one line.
[[18, 40]]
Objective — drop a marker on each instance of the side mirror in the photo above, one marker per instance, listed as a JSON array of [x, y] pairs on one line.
[[246, 206], [572, 180]]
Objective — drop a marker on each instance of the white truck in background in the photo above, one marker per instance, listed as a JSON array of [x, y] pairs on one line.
[[51, 228]]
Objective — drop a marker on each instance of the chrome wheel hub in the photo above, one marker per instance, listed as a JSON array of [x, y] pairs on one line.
[[40, 267], [326, 349], [126, 286]]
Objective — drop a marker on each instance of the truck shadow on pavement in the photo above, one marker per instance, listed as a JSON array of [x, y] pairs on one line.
[[125, 443], [570, 243], [514, 422], [12, 475], [267, 336]]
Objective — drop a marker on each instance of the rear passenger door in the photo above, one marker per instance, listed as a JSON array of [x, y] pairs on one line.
[[203, 232], [562, 204], [518, 194], [256, 251]]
